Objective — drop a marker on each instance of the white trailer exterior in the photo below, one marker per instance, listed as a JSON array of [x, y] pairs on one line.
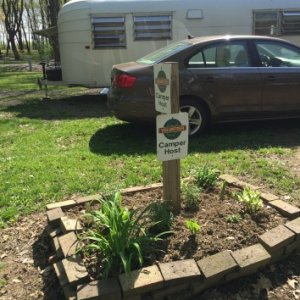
[[96, 34]]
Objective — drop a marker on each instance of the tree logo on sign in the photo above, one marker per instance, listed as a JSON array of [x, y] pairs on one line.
[[162, 81], [172, 129]]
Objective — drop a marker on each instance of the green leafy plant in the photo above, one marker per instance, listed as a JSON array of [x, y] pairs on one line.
[[118, 235], [206, 178], [161, 217], [190, 195], [223, 190], [250, 199], [3, 282], [192, 226], [234, 218]]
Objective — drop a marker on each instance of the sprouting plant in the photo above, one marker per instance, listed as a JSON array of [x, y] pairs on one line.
[[192, 226], [234, 218], [206, 178], [118, 235], [160, 216], [250, 199], [223, 190], [190, 196]]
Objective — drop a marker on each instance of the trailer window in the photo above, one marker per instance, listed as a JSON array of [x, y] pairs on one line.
[[291, 22], [266, 23], [276, 22], [153, 27], [109, 32]]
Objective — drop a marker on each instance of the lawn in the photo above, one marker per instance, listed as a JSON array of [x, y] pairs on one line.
[[71, 145]]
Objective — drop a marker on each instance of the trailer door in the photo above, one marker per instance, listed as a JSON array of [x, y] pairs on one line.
[[225, 77]]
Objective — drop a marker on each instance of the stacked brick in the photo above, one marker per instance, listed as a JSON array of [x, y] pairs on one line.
[[177, 280]]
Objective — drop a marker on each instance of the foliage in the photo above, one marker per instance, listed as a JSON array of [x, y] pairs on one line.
[[193, 226], [45, 51], [223, 190], [190, 195], [234, 218], [206, 177], [119, 235], [3, 282], [250, 199], [161, 217]]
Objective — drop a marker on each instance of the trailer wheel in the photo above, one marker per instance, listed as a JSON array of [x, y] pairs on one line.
[[198, 115]]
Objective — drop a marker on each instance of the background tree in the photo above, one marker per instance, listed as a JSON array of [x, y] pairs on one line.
[[13, 12], [20, 20]]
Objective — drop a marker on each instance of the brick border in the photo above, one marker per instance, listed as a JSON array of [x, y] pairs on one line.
[[179, 279]]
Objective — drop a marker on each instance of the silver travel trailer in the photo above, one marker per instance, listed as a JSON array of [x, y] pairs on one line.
[[96, 34]]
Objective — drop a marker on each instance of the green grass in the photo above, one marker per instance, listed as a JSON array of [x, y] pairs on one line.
[[52, 149], [16, 81]]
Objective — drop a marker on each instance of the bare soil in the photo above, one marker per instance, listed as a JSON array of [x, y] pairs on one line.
[[216, 233]]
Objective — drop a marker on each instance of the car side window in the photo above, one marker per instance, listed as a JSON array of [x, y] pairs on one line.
[[223, 55], [276, 54]]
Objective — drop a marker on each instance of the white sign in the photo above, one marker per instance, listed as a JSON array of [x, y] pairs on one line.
[[172, 133], [162, 87]]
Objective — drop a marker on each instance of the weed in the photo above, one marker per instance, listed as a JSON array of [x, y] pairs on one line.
[[2, 282], [192, 226], [160, 216], [118, 235], [223, 190], [190, 195], [250, 199], [234, 218], [206, 178]]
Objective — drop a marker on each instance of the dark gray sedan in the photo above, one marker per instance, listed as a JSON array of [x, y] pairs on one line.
[[222, 79]]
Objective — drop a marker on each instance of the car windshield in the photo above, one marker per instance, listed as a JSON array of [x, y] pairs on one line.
[[162, 53]]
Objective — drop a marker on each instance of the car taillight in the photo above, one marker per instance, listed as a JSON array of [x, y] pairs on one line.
[[124, 80]]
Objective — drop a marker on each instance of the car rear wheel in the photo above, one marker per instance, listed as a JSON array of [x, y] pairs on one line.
[[198, 115]]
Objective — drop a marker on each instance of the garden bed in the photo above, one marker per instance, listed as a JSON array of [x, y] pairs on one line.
[[224, 226], [231, 243]]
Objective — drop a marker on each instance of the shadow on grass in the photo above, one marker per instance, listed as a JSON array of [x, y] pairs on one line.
[[74, 107], [127, 139], [132, 139]]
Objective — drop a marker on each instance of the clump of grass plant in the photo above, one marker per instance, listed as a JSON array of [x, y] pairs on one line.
[[190, 196], [234, 218], [206, 178], [118, 235], [250, 199], [161, 217], [222, 190]]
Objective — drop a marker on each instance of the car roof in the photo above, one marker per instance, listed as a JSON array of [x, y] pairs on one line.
[[210, 38]]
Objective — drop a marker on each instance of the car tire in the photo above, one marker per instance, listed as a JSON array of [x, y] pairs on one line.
[[198, 115]]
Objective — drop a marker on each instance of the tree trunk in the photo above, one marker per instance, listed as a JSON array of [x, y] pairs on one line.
[[14, 49], [13, 12]]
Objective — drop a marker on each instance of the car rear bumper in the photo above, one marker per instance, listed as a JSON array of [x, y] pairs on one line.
[[131, 109]]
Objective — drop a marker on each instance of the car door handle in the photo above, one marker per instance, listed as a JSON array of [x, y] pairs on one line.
[[271, 78]]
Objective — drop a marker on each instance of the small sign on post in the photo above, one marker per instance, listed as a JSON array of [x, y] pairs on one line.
[[172, 136], [171, 130], [162, 87]]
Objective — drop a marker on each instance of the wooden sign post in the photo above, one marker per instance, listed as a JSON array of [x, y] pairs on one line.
[[172, 130]]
